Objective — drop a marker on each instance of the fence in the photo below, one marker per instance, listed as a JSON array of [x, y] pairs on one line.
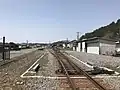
[[4, 52]]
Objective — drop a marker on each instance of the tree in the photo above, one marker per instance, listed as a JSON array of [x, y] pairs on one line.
[[108, 31]]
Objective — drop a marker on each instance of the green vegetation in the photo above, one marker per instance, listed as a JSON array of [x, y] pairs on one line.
[[111, 31]]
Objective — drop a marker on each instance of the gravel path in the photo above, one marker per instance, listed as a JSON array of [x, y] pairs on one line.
[[103, 61], [98, 60]]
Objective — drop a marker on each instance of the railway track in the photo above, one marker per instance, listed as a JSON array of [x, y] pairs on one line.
[[67, 65]]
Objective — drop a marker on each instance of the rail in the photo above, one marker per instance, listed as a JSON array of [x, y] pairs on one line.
[[65, 70], [79, 70]]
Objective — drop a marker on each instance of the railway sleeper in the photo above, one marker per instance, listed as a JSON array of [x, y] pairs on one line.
[[70, 72], [59, 71]]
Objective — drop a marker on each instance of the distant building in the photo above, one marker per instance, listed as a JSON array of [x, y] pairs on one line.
[[74, 47], [13, 46], [64, 45], [118, 47], [70, 44], [97, 46]]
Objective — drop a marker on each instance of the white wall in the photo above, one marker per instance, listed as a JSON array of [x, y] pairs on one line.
[[83, 46], [79, 47], [64, 45], [93, 48], [73, 48]]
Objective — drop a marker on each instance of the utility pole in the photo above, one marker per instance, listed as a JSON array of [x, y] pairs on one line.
[[3, 56], [49, 43], [78, 35], [67, 39], [27, 42]]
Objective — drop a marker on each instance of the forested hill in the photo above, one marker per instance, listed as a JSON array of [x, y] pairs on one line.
[[111, 31]]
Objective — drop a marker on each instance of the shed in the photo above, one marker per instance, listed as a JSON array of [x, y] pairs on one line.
[[98, 45]]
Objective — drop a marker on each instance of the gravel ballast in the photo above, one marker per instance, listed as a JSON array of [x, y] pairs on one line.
[[48, 67], [10, 73], [101, 61], [97, 60]]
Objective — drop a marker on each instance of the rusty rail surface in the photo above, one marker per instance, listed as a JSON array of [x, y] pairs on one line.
[[79, 70], [65, 70]]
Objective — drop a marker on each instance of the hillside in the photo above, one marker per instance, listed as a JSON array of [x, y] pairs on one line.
[[111, 31]]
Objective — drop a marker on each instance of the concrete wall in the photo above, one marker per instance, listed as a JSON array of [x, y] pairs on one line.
[[107, 49]]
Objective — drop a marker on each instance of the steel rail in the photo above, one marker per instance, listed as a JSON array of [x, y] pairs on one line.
[[79, 70], [65, 70]]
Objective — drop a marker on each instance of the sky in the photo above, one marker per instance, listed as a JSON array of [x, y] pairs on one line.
[[52, 20]]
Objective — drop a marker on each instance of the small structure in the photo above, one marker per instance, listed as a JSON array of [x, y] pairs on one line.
[[62, 44], [14, 46], [71, 44], [65, 44], [118, 47], [74, 45], [97, 45]]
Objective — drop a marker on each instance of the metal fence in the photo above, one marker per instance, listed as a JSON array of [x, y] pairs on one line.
[[4, 52]]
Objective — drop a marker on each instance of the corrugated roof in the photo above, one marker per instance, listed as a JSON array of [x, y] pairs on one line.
[[113, 40]]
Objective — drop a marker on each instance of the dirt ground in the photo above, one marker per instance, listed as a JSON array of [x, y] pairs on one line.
[[10, 72]]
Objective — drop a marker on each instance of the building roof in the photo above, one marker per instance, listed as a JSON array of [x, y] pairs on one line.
[[100, 38]]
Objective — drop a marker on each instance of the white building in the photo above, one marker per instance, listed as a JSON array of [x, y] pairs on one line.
[[64, 45], [118, 46], [97, 46]]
